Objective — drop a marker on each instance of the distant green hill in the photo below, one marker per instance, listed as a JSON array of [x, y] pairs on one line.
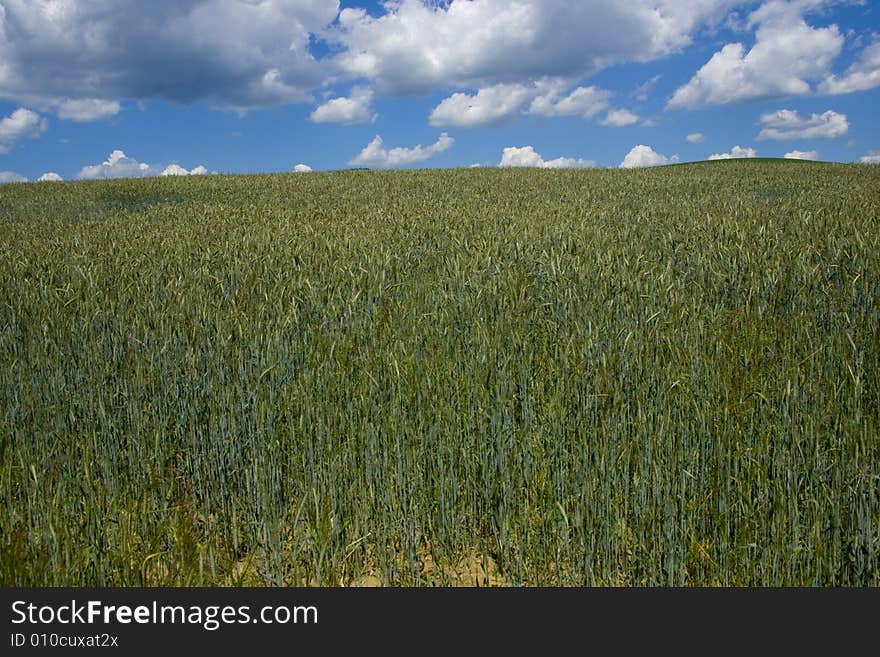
[[757, 160]]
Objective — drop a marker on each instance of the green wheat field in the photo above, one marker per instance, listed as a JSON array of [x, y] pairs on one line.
[[509, 377]]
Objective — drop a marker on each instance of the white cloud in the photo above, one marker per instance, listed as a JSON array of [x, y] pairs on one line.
[[21, 124], [863, 74], [642, 92], [349, 111], [695, 138], [735, 153], [11, 177], [551, 97], [526, 156], [787, 56], [177, 170], [375, 154], [645, 156], [174, 170], [302, 168], [245, 54], [872, 157], [488, 106], [119, 165], [50, 176], [87, 109], [620, 117], [802, 155], [788, 124], [585, 102], [415, 46], [236, 54]]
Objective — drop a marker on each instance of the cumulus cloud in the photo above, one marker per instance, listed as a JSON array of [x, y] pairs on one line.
[[788, 124], [802, 155], [415, 46], [177, 170], [551, 97], [245, 54], [236, 54], [11, 177], [87, 109], [119, 165], [526, 156], [375, 154], [585, 102], [645, 156], [788, 54], [695, 138], [863, 74], [620, 117], [302, 168], [50, 176], [21, 124], [872, 157], [736, 152], [349, 111], [488, 106]]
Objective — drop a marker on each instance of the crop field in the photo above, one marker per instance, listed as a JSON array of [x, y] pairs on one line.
[[511, 377]]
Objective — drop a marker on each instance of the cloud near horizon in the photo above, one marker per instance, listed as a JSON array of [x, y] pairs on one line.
[[735, 153], [375, 154], [11, 177], [801, 155], [119, 165], [526, 156], [645, 156]]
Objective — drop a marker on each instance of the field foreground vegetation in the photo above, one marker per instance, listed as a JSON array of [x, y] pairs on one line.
[[521, 377]]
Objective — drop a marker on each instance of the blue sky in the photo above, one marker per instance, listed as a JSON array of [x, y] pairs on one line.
[[112, 88]]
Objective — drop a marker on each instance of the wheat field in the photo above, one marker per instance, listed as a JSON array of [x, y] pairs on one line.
[[659, 377]]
